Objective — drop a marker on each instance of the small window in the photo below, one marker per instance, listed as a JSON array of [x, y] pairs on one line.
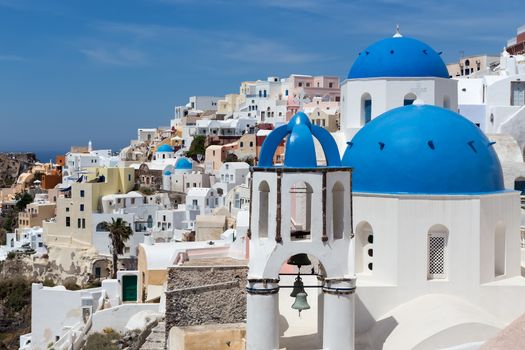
[[79, 223], [81, 207], [82, 193], [83, 223], [409, 99], [366, 108], [68, 221], [437, 252]]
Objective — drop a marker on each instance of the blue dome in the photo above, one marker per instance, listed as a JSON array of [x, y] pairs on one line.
[[183, 164], [167, 173], [398, 57], [164, 148], [300, 148], [423, 149]]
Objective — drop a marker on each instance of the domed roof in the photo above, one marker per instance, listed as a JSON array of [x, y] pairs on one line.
[[164, 148], [398, 56], [300, 148], [423, 149], [183, 164], [167, 173]]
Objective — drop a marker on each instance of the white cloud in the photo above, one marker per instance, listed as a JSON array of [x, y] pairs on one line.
[[119, 56], [12, 58]]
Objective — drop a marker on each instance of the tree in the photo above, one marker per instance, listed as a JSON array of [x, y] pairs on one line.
[[198, 146], [231, 157], [22, 200], [119, 233]]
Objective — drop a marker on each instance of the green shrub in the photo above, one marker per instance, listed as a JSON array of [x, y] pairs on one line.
[[102, 341], [147, 191], [198, 146], [71, 286], [15, 292], [48, 282], [92, 284], [11, 255]]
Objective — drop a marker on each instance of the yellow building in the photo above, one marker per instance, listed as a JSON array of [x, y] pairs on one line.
[[229, 104], [35, 213], [73, 223]]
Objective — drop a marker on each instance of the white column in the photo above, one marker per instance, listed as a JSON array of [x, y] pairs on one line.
[[262, 326], [338, 323]]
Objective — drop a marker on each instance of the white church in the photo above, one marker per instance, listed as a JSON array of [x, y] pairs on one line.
[[413, 238]]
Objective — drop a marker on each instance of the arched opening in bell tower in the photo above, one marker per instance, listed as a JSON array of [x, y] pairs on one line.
[[338, 207], [300, 211], [301, 329], [264, 191]]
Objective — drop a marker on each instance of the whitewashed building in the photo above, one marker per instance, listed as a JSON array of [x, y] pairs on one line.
[[390, 73], [495, 100], [199, 201]]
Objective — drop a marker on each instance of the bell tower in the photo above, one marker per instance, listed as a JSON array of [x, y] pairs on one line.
[[300, 209]]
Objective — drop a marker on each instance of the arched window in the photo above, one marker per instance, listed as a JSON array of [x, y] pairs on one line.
[[366, 108], [338, 209], [437, 242], [364, 248], [519, 185], [264, 191], [446, 102], [409, 99], [150, 221], [101, 227], [499, 249], [300, 211]]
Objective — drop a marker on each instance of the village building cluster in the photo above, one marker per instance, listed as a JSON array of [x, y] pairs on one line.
[[388, 203]]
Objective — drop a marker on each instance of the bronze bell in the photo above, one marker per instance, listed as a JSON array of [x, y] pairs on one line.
[[300, 303], [298, 287], [299, 260]]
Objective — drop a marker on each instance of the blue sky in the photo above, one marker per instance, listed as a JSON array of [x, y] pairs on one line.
[[76, 70]]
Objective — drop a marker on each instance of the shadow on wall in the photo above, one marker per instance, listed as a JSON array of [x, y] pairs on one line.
[[381, 330]]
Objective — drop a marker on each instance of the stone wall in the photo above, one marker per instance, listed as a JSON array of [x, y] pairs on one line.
[[209, 337], [198, 295]]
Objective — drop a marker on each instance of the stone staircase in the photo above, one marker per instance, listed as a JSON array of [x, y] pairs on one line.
[[156, 340]]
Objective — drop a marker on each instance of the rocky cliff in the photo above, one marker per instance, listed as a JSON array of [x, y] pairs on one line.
[[12, 165]]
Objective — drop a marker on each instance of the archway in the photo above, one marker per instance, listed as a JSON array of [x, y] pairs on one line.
[[264, 191], [409, 99], [300, 211], [499, 249], [338, 207], [301, 330]]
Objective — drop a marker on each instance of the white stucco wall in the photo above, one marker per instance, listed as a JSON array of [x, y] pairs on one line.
[[400, 226]]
